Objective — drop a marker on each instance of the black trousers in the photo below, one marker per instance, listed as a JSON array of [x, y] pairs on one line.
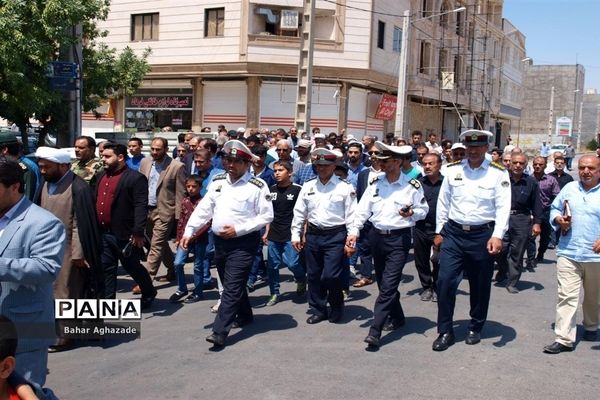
[[464, 251], [428, 271], [514, 244], [544, 239], [366, 256], [325, 264], [234, 259], [389, 253], [112, 252]]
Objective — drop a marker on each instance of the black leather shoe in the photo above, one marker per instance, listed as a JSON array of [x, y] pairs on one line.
[[590, 336], [443, 341], [473, 338], [192, 298], [177, 296], [146, 302], [512, 290], [315, 319], [556, 348], [217, 340], [239, 322], [372, 341], [392, 325], [336, 316]]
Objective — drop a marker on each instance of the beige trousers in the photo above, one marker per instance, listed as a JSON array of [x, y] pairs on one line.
[[159, 231], [572, 275]]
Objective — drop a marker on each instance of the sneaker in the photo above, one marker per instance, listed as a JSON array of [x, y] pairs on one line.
[[353, 272], [426, 294], [346, 295], [434, 297], [214, 309], [273, 300], [250, 287], [260, 279], [177, 296], [300, 288]]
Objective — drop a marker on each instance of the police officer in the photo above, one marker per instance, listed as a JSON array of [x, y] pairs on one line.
[[525, 205], [472, 217], [239, 206], [392, 203], [327, 204]]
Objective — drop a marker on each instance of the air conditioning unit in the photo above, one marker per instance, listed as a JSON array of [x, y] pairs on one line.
[[289, 20]]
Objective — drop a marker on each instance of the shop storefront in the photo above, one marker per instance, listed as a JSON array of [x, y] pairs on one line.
[[154, 112]]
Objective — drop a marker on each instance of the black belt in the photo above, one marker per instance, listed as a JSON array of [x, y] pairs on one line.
[[515, 212], [472, 228], [391, 232], [315, 230]]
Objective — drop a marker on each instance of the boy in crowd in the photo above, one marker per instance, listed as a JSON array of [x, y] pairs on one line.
[[278, 233], [198, 245]]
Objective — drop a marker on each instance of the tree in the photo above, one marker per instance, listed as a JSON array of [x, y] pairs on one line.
[[36, 32]]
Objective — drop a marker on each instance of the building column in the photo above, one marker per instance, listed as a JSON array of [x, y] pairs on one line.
[[253, 102], [198, 104], [343, 99], [118, 114]]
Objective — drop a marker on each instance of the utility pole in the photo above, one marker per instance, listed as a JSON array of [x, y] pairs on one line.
[[305, 67], [400, 126], [579, 126], [551, 117]]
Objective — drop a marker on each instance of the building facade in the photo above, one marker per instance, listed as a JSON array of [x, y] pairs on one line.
[[559, 85]]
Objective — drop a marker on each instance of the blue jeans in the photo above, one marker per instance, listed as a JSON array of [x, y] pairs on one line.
[[283, 253], [199, 249], [209, 255]]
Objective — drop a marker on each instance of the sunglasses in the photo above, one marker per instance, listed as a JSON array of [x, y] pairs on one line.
[[371, 153]]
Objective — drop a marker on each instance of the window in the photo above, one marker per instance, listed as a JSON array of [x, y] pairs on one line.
[[425, 8], [459, 24], [144, 27], [425, 58], [443, 62], [444, 15], [397, 39], [280, 22], [457, 68], [381, 34], [214, 22]]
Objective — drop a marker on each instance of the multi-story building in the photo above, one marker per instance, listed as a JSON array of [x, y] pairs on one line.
[[590, 118], [559, 85], [235, 62]]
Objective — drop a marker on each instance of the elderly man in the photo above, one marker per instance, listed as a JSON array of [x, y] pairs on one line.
[[31, 251], [70, 199], [576, 212]]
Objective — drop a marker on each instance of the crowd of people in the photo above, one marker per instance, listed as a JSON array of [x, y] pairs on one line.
[[319, 203]]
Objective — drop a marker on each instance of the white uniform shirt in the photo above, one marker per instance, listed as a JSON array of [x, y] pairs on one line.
[[324, 205], [245, 204], [382, 201], [475, 196]]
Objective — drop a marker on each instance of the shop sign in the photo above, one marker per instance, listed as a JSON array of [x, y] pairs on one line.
[[386, 109], [564, 126], [172, 102]]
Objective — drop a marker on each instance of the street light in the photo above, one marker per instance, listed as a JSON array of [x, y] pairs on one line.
[[402, 89]]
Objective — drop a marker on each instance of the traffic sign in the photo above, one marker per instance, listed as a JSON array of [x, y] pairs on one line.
[[60, 69]]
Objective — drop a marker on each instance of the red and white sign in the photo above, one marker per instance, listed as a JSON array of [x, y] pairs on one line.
[[386, 109]]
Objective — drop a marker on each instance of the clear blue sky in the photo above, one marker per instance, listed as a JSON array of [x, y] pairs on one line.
[[560, 32]]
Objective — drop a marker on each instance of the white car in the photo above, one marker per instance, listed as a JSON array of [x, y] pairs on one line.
[[558, 148]]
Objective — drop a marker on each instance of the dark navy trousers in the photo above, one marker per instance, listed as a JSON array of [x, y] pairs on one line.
[[324, 254], [234, 258], [464, 251], [389, 255]]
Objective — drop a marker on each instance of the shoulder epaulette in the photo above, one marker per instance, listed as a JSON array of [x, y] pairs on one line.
[[454, 163], [311, 179], [372, 181], [498, 166], [220, 176], [346, 181], [257, 182], [23, 166], [415, 183]]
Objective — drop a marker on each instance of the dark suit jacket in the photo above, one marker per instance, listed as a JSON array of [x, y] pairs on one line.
[[129, 210], [188, 161], [362, 183]]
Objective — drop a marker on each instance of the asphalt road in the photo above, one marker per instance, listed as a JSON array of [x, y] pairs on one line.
[[279, 356]]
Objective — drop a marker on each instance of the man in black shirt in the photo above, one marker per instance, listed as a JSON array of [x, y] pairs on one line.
[[563, 179], [424, 231], [278, 236], [525, 204]]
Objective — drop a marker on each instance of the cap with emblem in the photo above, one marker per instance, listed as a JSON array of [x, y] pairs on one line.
[[476, 137], [320, 136], [323, 157], [388, 151], [7, 138], [59, 156], [238, 150], [458, 146], [304, 143], [241, 129]]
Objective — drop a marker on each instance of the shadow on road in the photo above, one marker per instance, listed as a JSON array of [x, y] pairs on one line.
[[263, 324], [491, 329], [526, 285]]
